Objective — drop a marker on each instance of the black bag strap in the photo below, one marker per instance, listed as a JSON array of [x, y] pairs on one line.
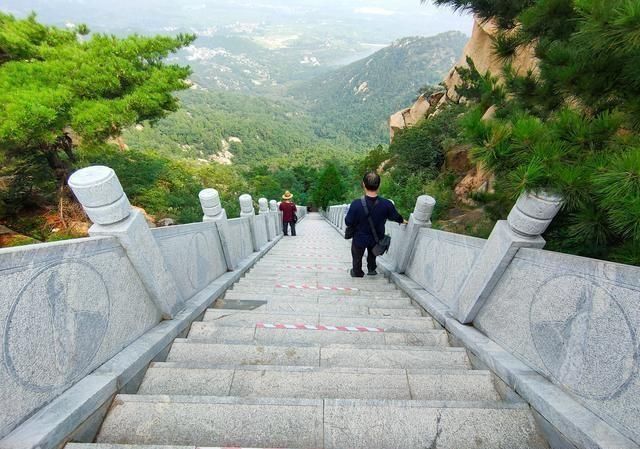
[[366, 211]]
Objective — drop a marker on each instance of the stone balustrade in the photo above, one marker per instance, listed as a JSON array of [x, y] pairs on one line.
[[80, 319], [68, 307], [573, 320]]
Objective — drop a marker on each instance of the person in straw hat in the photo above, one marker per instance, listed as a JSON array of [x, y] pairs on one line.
[[289, 209]]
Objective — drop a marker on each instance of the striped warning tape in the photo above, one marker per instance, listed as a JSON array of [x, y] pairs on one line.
[[312, 287], [303, 267], [320, 256], [321, 327]]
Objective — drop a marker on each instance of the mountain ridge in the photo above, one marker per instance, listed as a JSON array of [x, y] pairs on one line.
[[366, 92]]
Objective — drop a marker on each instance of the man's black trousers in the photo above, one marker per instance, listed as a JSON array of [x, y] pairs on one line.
[[285, 228], [357, 253]]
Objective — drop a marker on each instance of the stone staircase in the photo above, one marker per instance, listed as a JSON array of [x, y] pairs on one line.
[[299, 355]]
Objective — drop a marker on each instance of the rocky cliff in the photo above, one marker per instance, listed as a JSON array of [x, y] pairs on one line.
[[480, 49]]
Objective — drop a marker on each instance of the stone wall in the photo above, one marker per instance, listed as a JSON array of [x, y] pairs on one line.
[[240, 244], [193, 253], [571, 320], [577, 322], [396, 232], [262, 236], [442, 261], [67, 308]]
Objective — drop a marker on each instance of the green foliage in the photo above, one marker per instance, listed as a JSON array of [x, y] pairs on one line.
[[374, 160], [330, 187], [209, 123], [505, 11], [422, 147], [53, 81], [484, 89], [166, 187], [573, 127]]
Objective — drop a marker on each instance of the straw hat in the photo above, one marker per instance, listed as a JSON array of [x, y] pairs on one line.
[[287, 195]]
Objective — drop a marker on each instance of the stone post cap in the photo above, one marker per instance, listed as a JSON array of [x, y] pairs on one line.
[[533, 213], [210, 202], [99, 191], [209, 198], [246, 205], [263, 203], [424, 208], [273, 205]]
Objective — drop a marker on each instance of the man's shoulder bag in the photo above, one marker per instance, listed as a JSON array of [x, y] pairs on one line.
[[382, 245]]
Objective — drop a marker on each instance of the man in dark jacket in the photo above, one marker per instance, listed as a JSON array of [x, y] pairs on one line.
[[380, 210]]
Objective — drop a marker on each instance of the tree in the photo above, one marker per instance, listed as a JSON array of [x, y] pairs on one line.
[[329, 188], [58, 84], [573, 127]]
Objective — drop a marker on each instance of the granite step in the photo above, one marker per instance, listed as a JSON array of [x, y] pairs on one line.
[[210, 332], [330, 355], [139, 446], [338, 308], [318, 382], [312, 423], [307, 269], [316, 283], [321, 280], [397, 303], [251, 318], [300, 289], [256, 296]]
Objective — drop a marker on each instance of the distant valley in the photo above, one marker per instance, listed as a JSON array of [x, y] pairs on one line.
[[344, 109]]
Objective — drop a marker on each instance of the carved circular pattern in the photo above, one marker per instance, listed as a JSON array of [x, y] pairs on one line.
[[583, 337], [198, 252], [56, 325]]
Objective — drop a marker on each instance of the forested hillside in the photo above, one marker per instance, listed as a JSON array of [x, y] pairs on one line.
[[357, 100], [232, 128]]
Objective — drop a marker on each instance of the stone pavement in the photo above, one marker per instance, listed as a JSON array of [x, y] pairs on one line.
[[300, 355]]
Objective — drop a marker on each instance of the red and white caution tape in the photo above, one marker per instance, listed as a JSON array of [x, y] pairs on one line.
[[312, 287], [317, 256], [321, 327], [303, 267]]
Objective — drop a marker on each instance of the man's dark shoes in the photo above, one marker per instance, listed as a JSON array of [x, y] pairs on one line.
[[354, 275], [372, 273]]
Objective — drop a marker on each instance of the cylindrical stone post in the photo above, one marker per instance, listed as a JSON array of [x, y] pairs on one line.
[[528, 220], [99, 191], [533, 213], [247, 210], [275, 217], [246, 206], [420, 218], [345, 211], [263, 204], [423, 210], [211, 205], [215, 213]]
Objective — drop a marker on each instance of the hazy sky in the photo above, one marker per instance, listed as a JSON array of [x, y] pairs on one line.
[[385, 19]]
